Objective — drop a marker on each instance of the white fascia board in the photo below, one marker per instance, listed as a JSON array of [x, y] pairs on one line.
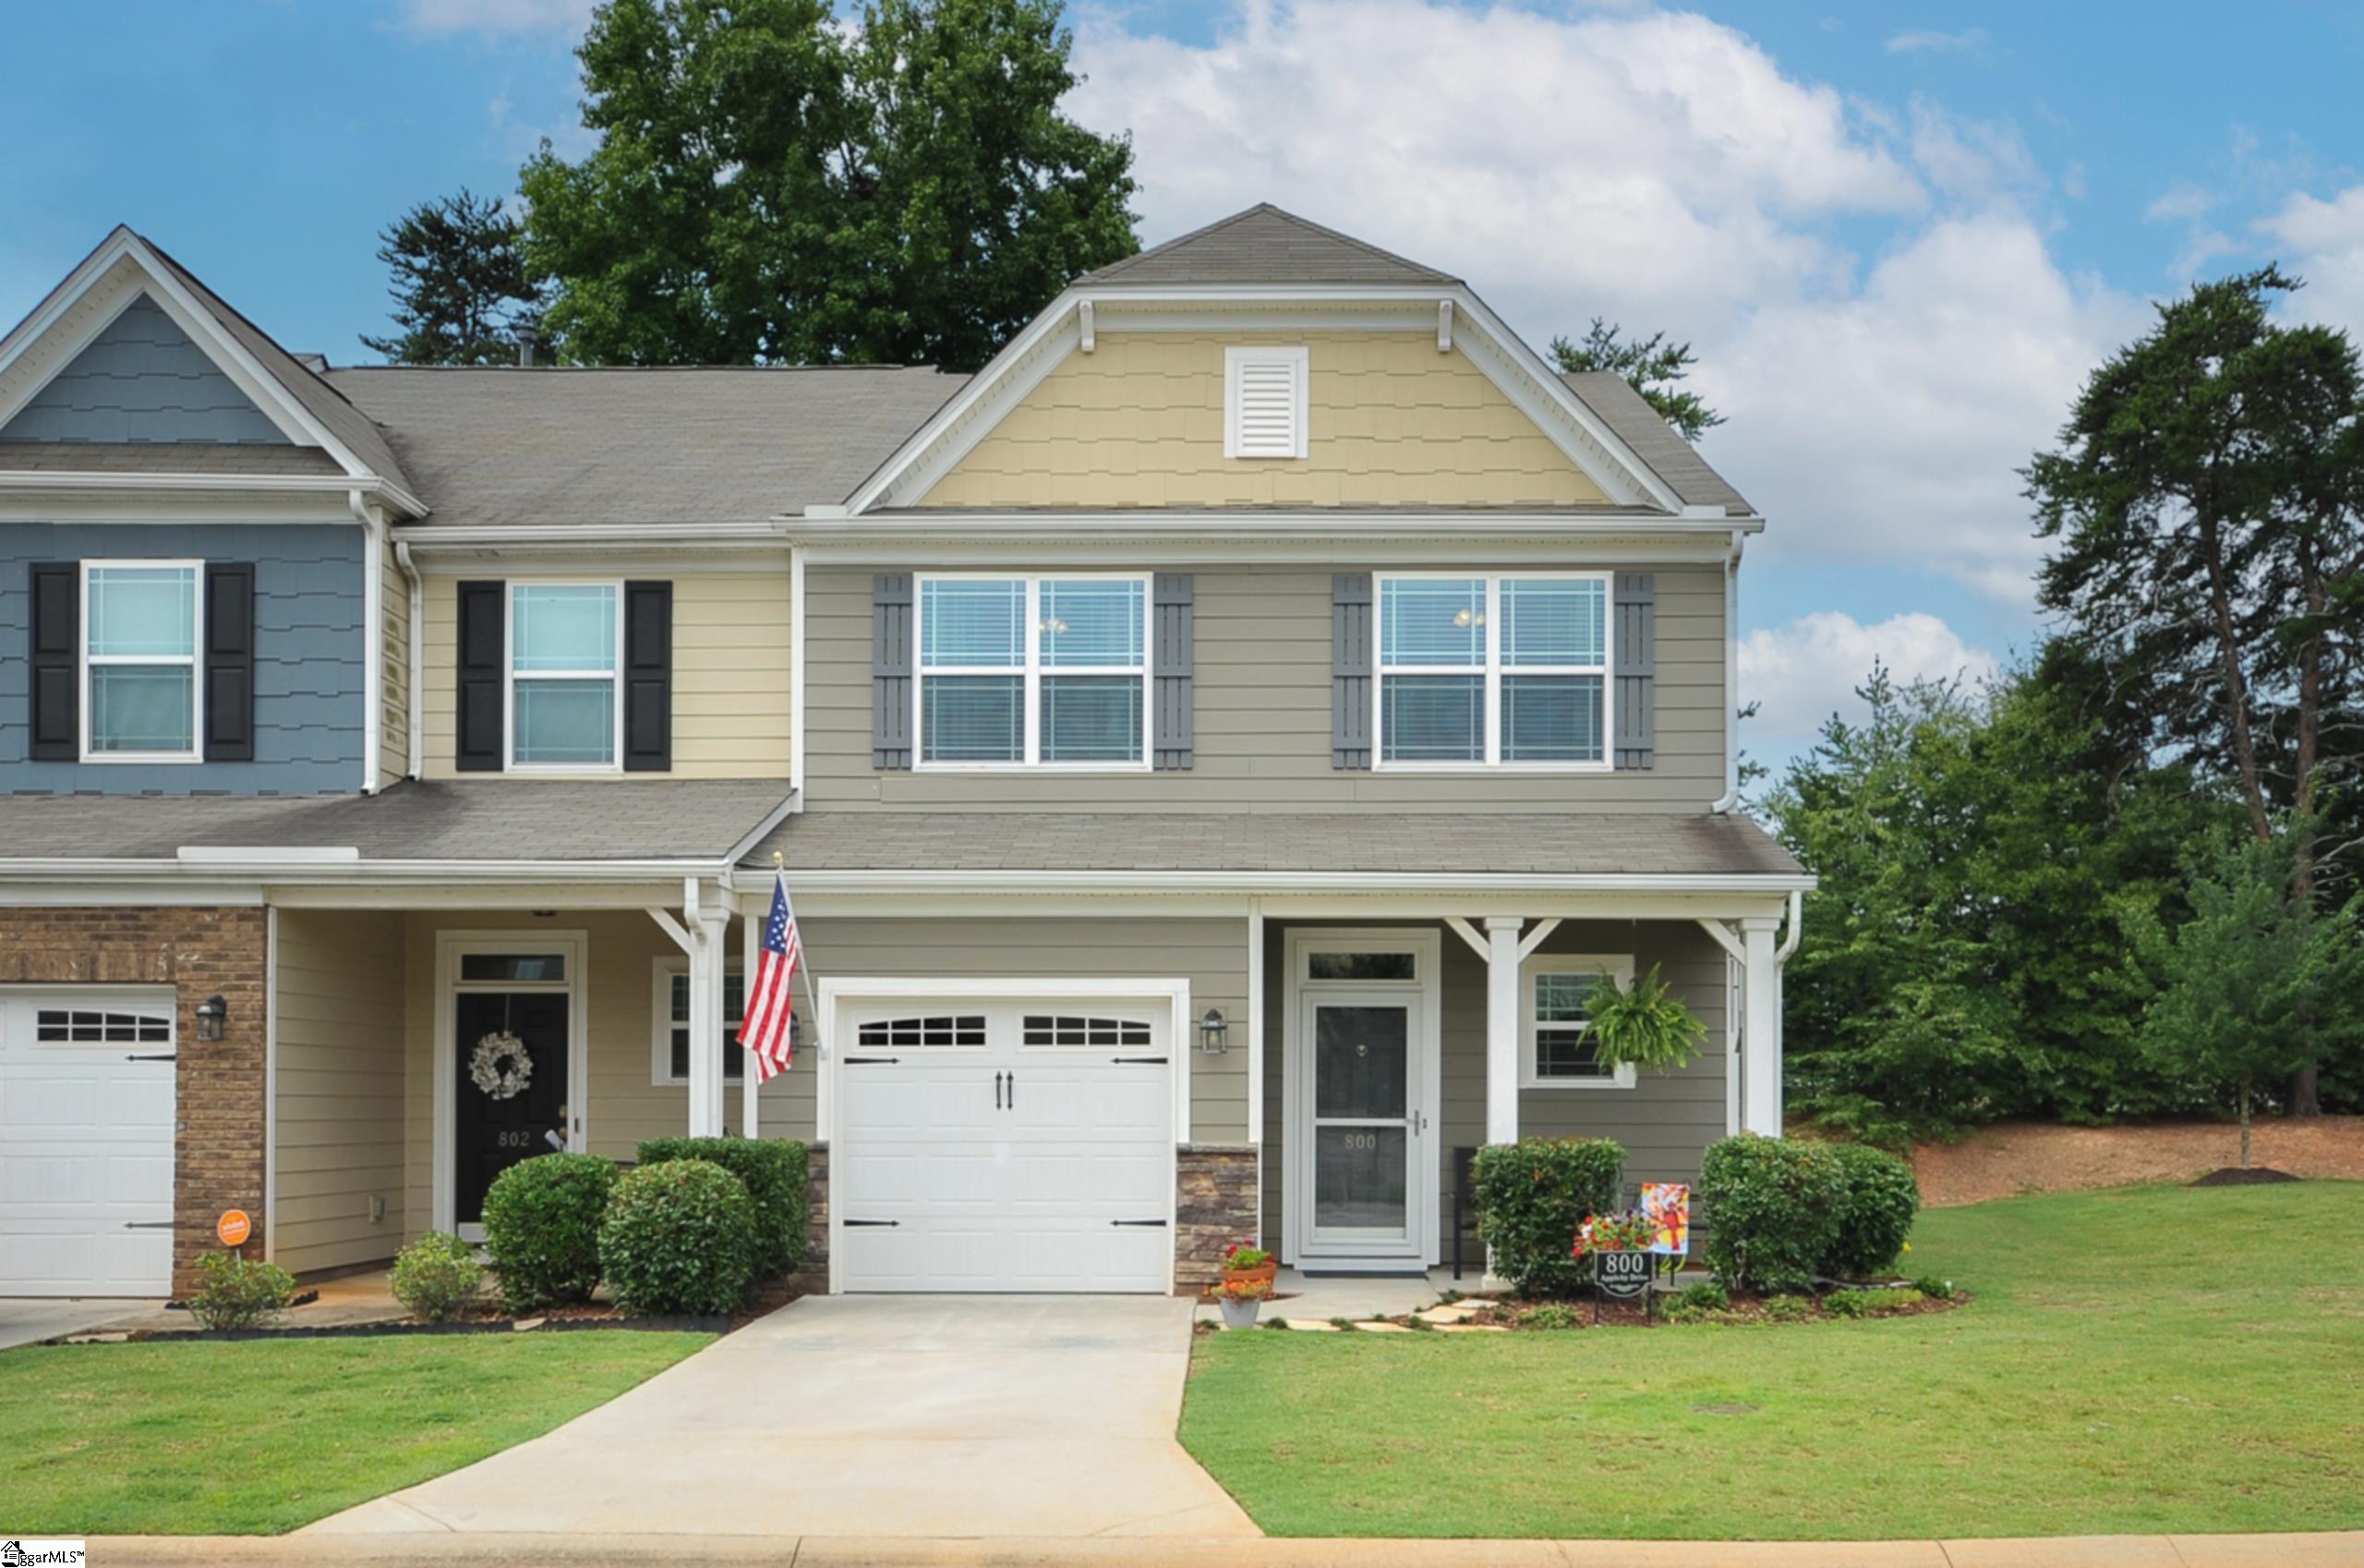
[[345, 867], [1250, 527], [264, 854], [938, 445], [435, 538], [1481, 889], [73, 481]]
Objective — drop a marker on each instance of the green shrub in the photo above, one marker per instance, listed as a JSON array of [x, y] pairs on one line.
[[1788, 1308], [1705, 1298], [1550, 1315], [541, 1224], [1772, 1209], [1875, 1214], [1933, 1287], [239, 1292], [1848, 1303], [1531, 1196], [436, 1276], [679, 1238], [778, 1175]]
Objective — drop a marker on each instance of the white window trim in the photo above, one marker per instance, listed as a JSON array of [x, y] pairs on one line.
[[615, 679], [1033, 671], [1234, 361], [1493, 670], [664, 969], [194, 662], [1621, 969]]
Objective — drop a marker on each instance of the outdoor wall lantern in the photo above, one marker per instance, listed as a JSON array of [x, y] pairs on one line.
[[212, 1014], [1212, 1031]]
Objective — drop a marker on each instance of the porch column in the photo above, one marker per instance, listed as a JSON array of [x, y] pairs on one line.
[[704, 926], [1502, 1028], [751, 933], [1761, 1040]]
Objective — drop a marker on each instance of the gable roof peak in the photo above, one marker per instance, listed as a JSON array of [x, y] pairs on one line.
[[1265, 244]]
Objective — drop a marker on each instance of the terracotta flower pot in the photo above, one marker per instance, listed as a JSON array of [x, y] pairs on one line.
[[1268, 1272]]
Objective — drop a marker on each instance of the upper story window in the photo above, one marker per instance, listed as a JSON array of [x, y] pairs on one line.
[[1494, 671], [140, 626], [565, 713], [1050, 671], [1556, 1022], [1264, 402]]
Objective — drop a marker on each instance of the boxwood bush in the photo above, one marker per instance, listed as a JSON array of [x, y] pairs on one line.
[[239, 1292], [436, 1276], [541, 1224], [1875, 1213], [679, 1239], [1532, 1195], [778, 1174], [1772, 1207]]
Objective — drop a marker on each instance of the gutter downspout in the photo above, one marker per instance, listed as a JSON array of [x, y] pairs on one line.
[[1731, 798], [373, 624], [417, 702], [1797, 929]]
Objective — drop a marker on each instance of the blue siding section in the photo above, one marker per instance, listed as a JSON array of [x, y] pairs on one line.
[[309, 651], [141, 379]]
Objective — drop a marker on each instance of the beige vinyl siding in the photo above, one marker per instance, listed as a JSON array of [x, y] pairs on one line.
[[1665, 1121], [1262, 692], [1391, 421], [732, 651], [1212, 954], [340, 1088], [393, 652]]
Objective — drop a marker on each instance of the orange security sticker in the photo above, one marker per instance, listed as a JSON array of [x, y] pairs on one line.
[[233, 1228]]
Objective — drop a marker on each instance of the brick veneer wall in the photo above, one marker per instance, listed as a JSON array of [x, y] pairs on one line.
[[1215, 1206], [218, 1144]]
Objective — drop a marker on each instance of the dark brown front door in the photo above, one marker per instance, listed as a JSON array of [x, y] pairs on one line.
[[492, 1131]]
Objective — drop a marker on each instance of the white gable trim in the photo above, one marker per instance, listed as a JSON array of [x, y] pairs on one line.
[[1515, 369], [156, 281]]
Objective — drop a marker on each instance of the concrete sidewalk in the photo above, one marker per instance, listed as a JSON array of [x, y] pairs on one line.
[[442, 1551]]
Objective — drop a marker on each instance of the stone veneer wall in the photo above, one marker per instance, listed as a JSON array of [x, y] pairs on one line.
[[1216, 1206], [218, 1148], [811, 1278]]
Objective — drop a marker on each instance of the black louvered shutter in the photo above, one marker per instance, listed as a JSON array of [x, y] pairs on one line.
[[56, 688], [891, 635], [648, 677], [230, 661], [483, 647], [1637, 669], [1172, 654], [1350, 669]]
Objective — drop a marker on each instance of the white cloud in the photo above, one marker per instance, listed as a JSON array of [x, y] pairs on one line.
[[1803, 672], [2323, 242], [496, 18], [2180, 202], [1929, 42]]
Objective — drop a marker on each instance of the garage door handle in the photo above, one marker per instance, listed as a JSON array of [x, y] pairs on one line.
[[167, 1057], [1137, 1221], [148, 1224], [997, 1091], [1138, 1061], [867, 1061], [852, 1224]]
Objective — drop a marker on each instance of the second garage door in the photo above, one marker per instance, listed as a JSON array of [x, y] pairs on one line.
[[1004, 1146]]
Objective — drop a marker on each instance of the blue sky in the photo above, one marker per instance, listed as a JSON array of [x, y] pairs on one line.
[[1898, 235]]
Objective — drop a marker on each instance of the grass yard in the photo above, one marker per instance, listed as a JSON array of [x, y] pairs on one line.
[[254, 1437], [2143, 1360]]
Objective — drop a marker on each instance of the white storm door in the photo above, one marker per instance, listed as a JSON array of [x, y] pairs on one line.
[[1363, 1131]]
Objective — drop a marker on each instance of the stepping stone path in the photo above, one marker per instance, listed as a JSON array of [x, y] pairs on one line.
[[1471, 1328], [1380, 1326], [1311, 1325], [1450, 1313]]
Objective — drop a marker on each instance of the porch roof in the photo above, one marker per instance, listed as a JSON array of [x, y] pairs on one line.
[[447, 820], [1642, 844]]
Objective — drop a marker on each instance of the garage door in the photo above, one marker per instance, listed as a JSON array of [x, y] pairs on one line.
[[86, 1142], [1004, 1146]]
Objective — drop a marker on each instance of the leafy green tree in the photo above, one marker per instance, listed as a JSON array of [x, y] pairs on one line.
[[1652, 365], [459, 288], [2257, 980], [770, 187]]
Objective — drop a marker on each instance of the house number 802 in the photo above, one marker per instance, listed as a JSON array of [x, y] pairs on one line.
[[516, 1140]]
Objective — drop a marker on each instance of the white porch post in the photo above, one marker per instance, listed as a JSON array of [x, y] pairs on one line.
[[1761, 1040], [704, 928], [751, 940], [1502, 1028]]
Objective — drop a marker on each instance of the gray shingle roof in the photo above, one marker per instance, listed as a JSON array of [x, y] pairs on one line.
[[1654, 440], [643, 445], [1535, 843], [163, 457], [450, 820], [1263, 245]]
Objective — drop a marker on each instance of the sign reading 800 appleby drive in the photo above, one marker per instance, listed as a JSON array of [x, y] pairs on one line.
[[1623, 1274]]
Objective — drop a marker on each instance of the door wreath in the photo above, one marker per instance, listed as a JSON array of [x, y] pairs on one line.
[[501, 1065]]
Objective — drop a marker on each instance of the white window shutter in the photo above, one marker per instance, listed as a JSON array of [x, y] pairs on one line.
[[1264, 402]]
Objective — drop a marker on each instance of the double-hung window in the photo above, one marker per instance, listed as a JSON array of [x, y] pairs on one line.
[[142, 699], [1556, 1025], [1494, 671], [671, 1054], [565, 713], [1047, 672]]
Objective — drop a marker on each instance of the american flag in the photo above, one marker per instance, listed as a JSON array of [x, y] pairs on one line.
[[765, 1029]]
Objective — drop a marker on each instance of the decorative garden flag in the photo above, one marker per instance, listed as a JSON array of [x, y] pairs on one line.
[[1667, 1205]]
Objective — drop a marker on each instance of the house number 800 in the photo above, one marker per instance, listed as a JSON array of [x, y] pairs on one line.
[[1363, 1141]]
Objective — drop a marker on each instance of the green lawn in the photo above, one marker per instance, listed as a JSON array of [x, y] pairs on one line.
[[2146, 1360], [260, 1435]]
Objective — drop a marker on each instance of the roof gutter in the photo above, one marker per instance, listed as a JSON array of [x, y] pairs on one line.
[[327, 865], [72, 481], [1251, 526], [432, 537], [1479, 885]]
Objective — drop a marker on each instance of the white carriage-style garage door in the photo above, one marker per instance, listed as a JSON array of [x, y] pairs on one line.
[[86, 1141], [999, 1145]]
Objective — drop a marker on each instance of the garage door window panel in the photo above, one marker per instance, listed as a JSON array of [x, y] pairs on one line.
[[940, 1032]]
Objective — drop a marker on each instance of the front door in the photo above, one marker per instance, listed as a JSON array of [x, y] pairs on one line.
[[506, 1112], [1363, 1130]]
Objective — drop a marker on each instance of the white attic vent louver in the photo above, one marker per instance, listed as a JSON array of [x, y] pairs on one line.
[[1264, 403]]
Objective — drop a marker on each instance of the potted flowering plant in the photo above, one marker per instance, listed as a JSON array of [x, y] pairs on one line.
[[1623, 1230], [1241, 1261], [1240, 1299]]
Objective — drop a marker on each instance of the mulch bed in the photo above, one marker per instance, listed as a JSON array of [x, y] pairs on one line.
[[490, 1318], [2237, 1175]]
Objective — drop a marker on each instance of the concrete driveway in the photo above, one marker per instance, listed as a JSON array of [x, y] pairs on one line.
[[26, 1320], [869, 1416]]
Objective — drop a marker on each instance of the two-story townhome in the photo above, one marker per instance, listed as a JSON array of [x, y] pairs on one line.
[[1212, 751]]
